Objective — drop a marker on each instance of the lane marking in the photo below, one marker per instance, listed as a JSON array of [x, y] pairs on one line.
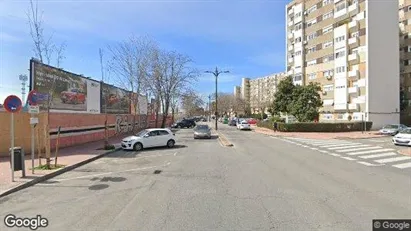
[[394, 159], [351, 146], [347, 158], [379, 155], [372, 151], [334, 154], [337, 145], [358, 149], [402, 166], [369, 164], [323, 151]]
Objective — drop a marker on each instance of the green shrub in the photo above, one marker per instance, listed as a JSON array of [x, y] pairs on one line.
[[277, 119], [317, 127]]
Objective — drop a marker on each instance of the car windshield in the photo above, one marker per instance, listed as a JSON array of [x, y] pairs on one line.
[[202, 127], [391, 126], [406, 131], [141, 133], [244, 122]]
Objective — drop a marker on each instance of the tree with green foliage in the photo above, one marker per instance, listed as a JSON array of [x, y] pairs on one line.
[[283, 98], [306, 102]]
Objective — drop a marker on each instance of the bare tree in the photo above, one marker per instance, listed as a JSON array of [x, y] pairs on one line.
[[46, 51], [192, 103]]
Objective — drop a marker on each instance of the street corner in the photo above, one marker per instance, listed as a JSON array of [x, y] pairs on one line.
[[405, 151]]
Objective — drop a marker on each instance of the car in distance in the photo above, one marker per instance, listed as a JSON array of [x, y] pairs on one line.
[[232, 123], [403, 137], [392, 129], [202, 131], [243, 125], [185, 123], [149, 138], [73, 96]]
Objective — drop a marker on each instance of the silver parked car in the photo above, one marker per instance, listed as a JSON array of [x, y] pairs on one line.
[[202, 131], [392, 129]]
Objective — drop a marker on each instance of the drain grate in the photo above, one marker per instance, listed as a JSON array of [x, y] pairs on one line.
[[157, 171]]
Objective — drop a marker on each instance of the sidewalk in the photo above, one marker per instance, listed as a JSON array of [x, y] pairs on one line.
[[318, 135], [67, 156]]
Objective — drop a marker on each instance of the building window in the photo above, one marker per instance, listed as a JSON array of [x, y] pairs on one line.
[[311, 9], [297, 53], [312, 36], [297, 78], [327, 44], [311, 49], [339, 87], [299, 26], [340, 39], [298, 40], [327, 29], [312, 76], [409, 89], [328, 15], [355, 51], [340, 69], [355, 34], [328, 87], [298, 14], [328, 58], [340, 6], [328, 73], [340, 116], [326, 2], [312, 22], [340, 54], [312, 62], [409, 49], [327, 117]]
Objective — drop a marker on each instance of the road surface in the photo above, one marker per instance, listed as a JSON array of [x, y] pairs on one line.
[[261, 183]]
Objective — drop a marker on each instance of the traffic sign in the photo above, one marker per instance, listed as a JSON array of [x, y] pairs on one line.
[[34, 109], [32, 98], [12, 104]]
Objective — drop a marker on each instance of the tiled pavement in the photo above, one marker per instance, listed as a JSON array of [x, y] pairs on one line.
[[365, 154]]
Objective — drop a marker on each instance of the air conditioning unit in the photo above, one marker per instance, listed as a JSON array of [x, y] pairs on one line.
[[305, 13]]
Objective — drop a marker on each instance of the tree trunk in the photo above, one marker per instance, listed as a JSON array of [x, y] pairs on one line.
[[165, 114], [172, 114]]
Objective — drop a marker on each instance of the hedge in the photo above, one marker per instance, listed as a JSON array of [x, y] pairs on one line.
[[317, 127]]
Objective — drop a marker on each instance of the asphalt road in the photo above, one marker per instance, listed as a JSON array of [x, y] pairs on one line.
[[261, 183]]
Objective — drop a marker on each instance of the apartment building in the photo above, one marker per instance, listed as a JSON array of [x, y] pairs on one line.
[[351, 48], [405, 58], [237, 91], [259, 93]]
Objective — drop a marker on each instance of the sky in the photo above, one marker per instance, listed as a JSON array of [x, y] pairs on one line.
[[246, 38]]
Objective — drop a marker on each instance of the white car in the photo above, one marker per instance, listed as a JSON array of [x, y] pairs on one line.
[[148, 138], [403, 137], [243, 125]]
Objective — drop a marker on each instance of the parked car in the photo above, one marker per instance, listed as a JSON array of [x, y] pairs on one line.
[[202, 131], [185, 123], [392, 129], [73, 95], [243, 125], [232, 123], [252, 121], [403, 137], [148, 138]]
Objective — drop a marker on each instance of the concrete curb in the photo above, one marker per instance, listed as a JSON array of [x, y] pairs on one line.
[[54, 174], [223, 140]]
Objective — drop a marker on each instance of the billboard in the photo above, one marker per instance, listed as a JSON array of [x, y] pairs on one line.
[[65, 91], [114, 100], [142, 105]]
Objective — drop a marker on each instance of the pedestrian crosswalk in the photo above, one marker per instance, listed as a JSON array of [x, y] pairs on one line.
[[365, 154]]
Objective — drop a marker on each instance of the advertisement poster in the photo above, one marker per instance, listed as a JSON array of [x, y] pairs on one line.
[[114, 100], [142, 105], [64, 91]]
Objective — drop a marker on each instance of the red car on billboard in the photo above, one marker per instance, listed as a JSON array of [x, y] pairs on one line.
[[73, 96]]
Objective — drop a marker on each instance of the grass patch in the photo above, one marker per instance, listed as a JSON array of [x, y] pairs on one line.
[[52, 167]]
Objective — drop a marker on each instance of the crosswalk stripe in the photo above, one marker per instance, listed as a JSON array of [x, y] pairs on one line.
[[404, 165], [352, 146], [335, 154], [371, 151], [336, 145], [358, 149], [327, 143], [379, 155], [368, 164], [348, 158], [383, 161]]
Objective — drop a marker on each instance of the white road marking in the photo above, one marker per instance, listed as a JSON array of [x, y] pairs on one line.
[[372, 151], [378, 141], [337, 145], [394, 159], [368, 164], [334, 154], [347, 158], [314, 148], [401, 166], [358, 149], [379, 155], [323, 151], [351, 146], [305, 146]]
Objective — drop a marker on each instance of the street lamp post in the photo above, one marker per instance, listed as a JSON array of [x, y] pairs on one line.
[[216, 73], [209, 108]]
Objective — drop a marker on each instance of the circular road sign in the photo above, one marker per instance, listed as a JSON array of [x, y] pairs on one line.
[[32, 98], [12, 104]]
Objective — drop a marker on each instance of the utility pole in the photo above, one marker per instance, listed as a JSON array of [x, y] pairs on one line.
[[23, 79], [106, 143], [209, 108], [216, 73]]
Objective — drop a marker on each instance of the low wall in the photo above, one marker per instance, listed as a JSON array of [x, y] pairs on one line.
[[75, 129]]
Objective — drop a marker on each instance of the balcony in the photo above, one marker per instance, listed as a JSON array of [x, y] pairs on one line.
[[290, 47], [353, 90], [353, 42], [291, 11], [291, 22], [290, 35], [354, 106], [354, 25], [290, 60], [290, 72], [354, 74], [353, 58], [341, 15], [340, 106], [353, 9]]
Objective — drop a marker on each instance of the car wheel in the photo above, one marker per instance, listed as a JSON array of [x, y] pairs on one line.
[[170, 143], [138, 147], [178, 126]]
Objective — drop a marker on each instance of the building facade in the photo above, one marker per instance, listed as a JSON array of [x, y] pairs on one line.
[[351, 48], [259, 93], [405, 59]]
